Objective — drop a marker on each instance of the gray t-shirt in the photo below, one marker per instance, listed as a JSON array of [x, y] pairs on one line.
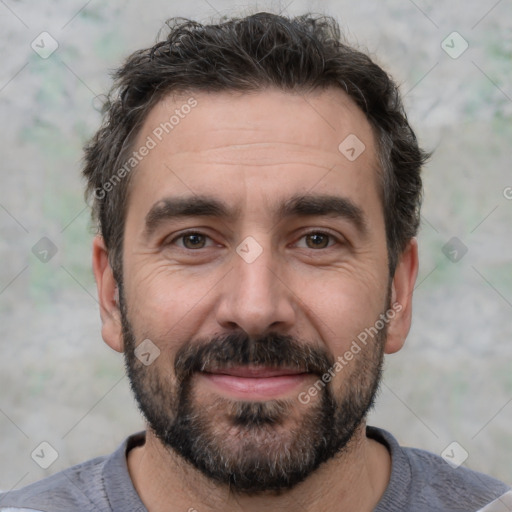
[[420, 481]]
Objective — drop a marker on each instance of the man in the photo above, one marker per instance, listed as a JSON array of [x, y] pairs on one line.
[[257, 191]]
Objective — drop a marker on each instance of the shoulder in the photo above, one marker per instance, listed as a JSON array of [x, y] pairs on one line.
[[97, 485], [435, 477], [422, 480], [79, 487]]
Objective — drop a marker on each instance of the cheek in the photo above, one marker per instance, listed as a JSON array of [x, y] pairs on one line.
[[343, 309], [165, 306]]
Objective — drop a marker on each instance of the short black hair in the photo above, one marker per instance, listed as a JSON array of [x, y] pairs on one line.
[[300, 54]]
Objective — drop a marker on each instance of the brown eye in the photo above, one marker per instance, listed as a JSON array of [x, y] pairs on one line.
[[190, 240], [195, 240], [318, 240]]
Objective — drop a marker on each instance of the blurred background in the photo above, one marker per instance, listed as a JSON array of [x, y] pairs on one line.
[[61, 385]]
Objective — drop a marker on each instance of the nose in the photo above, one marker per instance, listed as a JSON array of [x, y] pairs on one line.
[[255, 295]]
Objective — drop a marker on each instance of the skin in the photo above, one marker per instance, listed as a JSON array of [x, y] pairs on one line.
[[252, 150]]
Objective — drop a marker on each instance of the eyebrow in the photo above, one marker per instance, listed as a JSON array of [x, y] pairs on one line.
[[299, 205]]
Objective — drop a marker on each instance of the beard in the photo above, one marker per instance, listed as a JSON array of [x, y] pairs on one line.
[[253, 446]]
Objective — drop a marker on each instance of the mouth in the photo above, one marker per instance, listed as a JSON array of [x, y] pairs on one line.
[[255, 382]]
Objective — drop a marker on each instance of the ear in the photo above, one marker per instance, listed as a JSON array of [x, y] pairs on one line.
[[110, 313], [401, 297]]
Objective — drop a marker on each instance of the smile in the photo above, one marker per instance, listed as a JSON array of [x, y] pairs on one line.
[[254, 383]]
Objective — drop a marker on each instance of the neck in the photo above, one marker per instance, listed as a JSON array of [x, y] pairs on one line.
[[354, 480]]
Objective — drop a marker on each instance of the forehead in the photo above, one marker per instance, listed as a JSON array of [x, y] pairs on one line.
[[319, 119], [270, 139]]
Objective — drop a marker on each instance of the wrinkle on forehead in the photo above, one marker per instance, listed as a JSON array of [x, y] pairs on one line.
[[259, 154], [236, 140], [316, 120]]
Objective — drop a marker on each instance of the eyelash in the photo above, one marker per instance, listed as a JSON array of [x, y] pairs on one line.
[[313, 232]]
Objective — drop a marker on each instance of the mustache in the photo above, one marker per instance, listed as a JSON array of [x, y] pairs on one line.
[[273, 350]]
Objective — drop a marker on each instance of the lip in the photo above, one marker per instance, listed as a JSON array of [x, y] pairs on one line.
[[256, 372], [255, 382]]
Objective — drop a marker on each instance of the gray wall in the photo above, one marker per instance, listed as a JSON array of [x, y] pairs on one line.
[[60, 384]]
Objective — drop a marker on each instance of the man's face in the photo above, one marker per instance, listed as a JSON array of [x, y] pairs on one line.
[[249, 310]]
